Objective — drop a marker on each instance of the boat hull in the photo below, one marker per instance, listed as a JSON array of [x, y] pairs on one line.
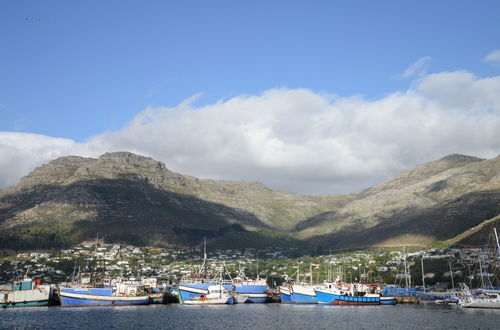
[[24, 304], [156, 298], [303, 295], [482, 304], [25, 298], [256, 293], [213, 301], [72, 299], [298, 298], [240, 298], [188, 291], [285, 295], [327, 298], [285, 298], [388, 301]]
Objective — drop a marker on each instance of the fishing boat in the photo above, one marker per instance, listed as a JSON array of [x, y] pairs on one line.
[[123, 294], [25, 293], [196, 285], [216, 295], [303, 294], [349, 294], [255, 289]]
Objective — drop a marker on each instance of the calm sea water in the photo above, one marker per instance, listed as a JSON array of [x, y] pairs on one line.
[[250, 316]]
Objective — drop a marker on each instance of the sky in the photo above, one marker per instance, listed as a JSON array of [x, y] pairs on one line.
[[316, 97]]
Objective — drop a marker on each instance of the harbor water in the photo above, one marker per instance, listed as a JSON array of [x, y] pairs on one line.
[[250, 316]]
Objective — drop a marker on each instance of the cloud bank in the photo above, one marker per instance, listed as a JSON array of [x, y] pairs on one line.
[[493, 57], [296, 139]]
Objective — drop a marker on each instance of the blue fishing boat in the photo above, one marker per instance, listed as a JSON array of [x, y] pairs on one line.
[[193, 289], [256, 290], [122, 294], [195, 286], [241, 288], [98, 297], [332, 298], [302, 292], [216, 295], [352, 294]]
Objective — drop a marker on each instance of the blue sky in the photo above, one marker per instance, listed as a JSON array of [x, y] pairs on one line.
[[78, 69], [74, 69]]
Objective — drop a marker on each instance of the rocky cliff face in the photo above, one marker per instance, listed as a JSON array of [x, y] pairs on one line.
[[136, 199]]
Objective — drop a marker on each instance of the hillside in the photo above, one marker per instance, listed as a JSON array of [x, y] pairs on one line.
[[479, 235], [136, 199], [414, 194]]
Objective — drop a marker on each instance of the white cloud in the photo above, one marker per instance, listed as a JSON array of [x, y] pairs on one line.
[[418, 69], [493, 57], [21, 152], [296, 139]]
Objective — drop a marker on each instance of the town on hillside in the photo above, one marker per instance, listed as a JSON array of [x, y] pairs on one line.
[[438, 269]]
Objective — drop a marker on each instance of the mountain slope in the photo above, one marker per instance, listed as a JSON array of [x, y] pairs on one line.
[[426, 187], [475, 236], [135, 199]]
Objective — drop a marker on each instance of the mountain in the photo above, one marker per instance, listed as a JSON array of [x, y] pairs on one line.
[[434, 201], [136, 199]]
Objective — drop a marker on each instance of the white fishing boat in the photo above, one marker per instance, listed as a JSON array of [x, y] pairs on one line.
[[25, 293], [486, 296], [486, 299], [217, 295]]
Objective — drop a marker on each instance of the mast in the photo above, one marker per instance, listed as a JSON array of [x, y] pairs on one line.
[[257, 264], [496, 256], [470, 276], [311, 273], [406, 269], [93, 269], [204, 255], [203, 268], [423, 277], [451, 275], [298, 273], [481, 270]]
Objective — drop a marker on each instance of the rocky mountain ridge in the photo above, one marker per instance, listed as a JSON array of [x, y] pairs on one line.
[[132, 198]]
